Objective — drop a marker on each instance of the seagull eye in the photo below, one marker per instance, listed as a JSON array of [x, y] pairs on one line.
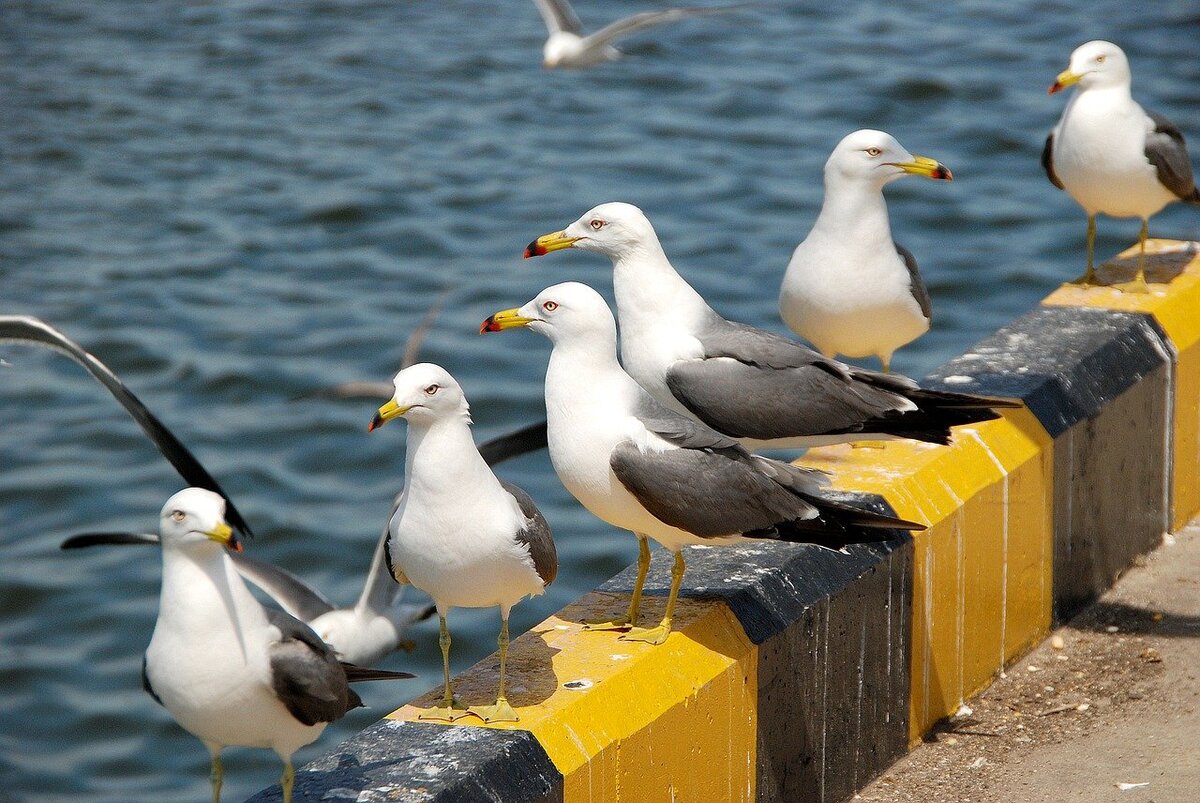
[[596, 224], [873, 152], [550, 306], [1100, 59], [178, 515], [432, 389]]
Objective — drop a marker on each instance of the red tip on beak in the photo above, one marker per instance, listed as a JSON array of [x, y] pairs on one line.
[[376, 423], [490, 324], [942, 172], [1055, 87], [235, 544], [534, 250]]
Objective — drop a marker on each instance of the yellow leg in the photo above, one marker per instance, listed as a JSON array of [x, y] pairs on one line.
[[446, 712], [1138, 285], [217, 776], [501, 711], [886, 361], [635, 602], [288, 780], [659, 633], [1089, 279]]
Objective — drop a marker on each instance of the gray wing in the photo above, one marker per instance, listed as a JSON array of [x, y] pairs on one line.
[[536, 536], [705, 493], [772, 387], [919, 292], [1048, 161], [305, 673], [146, 683], [647, 19], [559, 16], [1166, 150], [34, 331], [293, 594]]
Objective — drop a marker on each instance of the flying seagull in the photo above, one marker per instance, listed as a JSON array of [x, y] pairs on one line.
[[230, 671], [849, 289], [464, 537], [569, 46], [641, 467], [748, 384], [1111, 155], [363, 633]]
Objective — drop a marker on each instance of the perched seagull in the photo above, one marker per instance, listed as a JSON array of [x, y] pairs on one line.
[[569, 46], [362, 634], [1111, 155], [750, 385], [27, 330], [641, 467], [464, 537], [849, 289], [231, 672]]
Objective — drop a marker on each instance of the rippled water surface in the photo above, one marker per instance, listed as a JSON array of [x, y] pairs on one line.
[[237, 204]]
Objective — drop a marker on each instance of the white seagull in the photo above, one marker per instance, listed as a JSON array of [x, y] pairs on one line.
[[568, 46], [464, 537], [849, 289], [638, 466], [363, 633], [1111, 155], [231, 672], [754, 386]]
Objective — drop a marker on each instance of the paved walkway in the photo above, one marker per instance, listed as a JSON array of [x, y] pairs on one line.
[[1107, 709]]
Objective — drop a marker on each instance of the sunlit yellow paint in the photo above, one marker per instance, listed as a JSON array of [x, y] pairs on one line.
[[672, 722], [1176, 307], [982, 570]]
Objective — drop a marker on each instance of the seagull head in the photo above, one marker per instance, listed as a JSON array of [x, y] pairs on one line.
[[875, 157], [564, 312], [194, 517], [424, 393], [616, 230], [1094, 64]]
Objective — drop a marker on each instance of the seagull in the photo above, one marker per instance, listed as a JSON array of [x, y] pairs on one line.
[[1111, 155], [363, 633], [569, 46], [459, 534], [761, 389], [849, 289], [230, 671], [641, 467]]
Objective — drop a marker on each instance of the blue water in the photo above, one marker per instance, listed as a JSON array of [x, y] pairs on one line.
[[238, 203]]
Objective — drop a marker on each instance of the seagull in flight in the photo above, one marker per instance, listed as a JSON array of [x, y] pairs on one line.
[[568, 46]]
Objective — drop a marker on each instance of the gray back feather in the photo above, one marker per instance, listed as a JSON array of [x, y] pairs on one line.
[[1048, 161], [1166, 150], [536, 536], [305, 673], [919, 292]]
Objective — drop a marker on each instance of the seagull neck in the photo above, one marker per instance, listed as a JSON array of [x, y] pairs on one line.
[[201, 588], [853, 212], [582, 370], [442, 458], [647, 286]]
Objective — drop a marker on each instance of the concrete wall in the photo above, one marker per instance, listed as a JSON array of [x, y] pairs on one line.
[[797, 675]]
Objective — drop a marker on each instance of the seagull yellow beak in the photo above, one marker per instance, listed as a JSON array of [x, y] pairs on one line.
[[549, 242], [386, 413], [1065, 79], [506, 319], [924, 166], [223, 535]]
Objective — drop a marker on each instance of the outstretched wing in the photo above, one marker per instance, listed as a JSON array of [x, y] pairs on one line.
[[559, 16], [624, 27], [29, 330]]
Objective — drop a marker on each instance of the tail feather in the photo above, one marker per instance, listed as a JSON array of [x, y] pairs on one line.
[[360, 674]]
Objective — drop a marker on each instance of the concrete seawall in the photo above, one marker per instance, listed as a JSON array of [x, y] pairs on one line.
[[799, 675]]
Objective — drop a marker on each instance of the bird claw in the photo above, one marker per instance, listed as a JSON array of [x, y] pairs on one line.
[[1138, 285], [650, 635], [444, 712], [500, 712], [619, 623]]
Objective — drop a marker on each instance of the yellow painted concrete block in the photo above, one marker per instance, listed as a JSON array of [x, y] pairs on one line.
[[993, 482], [629, 721], [1176, 307]]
